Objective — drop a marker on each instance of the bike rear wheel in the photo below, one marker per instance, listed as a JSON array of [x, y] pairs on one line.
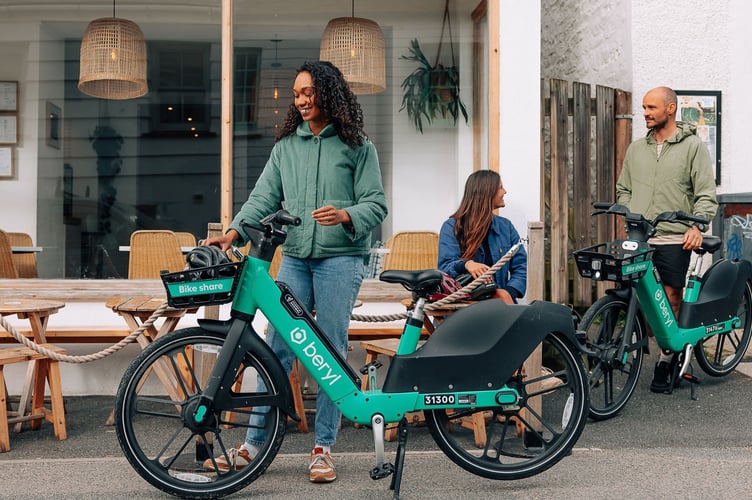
[[720, 354], [154, 409], [530, 437], [612, 381]]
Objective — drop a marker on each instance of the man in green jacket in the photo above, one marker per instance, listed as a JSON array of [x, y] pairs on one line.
[[669, 169]]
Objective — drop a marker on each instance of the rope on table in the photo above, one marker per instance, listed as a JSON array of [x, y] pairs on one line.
[[84, 358], [451, 298]]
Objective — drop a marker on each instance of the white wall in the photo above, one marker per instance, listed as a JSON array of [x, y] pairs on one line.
[[699, 45], [519, 143], [587, 42]]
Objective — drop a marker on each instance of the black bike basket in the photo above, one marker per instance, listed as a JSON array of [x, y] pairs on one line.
[[203, 286], [613, 262]]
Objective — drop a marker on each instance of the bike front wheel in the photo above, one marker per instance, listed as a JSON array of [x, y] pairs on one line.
[[611, 379], [154, 417], [720, 354], [525, 439]]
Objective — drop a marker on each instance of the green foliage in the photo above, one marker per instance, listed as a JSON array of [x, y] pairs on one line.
[[430, 92]]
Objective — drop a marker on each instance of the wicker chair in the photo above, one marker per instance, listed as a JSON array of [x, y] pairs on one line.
[[152, 251], [7, 266], [26, 263], [186, 239], [412, 251]]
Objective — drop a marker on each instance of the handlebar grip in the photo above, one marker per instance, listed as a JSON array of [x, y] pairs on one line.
[[692, 218], [602, 205], [286, 218]]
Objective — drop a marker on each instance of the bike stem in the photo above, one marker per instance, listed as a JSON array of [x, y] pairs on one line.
[[629, 325]]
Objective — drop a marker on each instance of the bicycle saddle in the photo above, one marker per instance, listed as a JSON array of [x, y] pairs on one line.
[[709, 244], [415, 281]]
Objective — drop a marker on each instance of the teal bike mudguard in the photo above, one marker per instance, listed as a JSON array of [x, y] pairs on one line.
[[481, 345], [256, 344]]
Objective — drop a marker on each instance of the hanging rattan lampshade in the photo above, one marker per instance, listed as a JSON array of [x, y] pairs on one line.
[[356, 46], [113, 60]]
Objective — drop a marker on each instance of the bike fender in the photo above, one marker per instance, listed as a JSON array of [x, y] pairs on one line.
[[256, 344], [480, 346]]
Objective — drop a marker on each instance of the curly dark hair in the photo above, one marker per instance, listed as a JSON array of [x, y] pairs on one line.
[[335, 100]]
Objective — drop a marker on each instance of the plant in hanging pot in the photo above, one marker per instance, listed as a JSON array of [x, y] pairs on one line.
[[431, 91]]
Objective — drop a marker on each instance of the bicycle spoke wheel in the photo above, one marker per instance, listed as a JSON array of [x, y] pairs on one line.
[[525, 439], [612, 381], [155, 404], [720, 354]]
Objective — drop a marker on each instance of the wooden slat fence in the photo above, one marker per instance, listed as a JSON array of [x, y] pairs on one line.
[[583, 139]]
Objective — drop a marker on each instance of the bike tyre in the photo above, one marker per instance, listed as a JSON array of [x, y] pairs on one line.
[[138, 416], [611, 382], [509, 458], [713, 361]]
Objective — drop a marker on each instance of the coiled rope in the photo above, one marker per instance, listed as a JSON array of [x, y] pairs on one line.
[[374, 318], [460, 294]]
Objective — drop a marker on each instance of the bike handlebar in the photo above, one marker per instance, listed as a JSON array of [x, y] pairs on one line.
[[282, 218], [640, 228]]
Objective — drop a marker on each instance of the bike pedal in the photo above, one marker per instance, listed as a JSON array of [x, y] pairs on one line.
[[691, 378], [364, 369], [385, 470]]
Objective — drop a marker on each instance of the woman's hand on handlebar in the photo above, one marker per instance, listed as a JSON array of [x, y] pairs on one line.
[[224, 242]]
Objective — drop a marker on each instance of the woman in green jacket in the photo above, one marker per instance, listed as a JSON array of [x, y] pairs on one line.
[[323, 169]]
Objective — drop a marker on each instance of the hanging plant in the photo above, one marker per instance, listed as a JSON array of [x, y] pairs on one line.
[[432, 91]]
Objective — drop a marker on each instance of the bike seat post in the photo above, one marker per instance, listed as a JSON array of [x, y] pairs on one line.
[[413, 327]]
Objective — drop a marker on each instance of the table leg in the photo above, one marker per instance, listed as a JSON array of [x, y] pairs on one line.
[[38, 327]]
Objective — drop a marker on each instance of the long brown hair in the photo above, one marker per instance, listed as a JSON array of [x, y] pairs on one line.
[[476, 210]]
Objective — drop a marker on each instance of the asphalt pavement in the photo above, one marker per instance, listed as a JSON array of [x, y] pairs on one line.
[[660, 446]]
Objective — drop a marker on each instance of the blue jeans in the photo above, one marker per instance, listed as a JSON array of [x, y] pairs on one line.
[[331, 285]]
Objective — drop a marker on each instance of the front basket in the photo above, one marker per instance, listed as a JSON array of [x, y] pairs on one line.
[[618, 260], [204, 286]]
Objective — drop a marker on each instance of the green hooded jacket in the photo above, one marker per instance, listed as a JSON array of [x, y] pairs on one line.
[[307, 171], [680, 179]]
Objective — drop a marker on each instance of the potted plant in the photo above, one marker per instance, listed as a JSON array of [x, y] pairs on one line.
[[431, 91]]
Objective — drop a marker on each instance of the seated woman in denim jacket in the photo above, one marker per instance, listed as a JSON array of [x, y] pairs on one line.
[[474, 238]]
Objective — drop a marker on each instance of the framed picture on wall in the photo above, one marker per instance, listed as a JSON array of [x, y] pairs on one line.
[[702, 108], [8, 129], [6, 162], [53, 123], [9, 96]]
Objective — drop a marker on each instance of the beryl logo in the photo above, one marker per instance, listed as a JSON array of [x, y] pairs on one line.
[[298, 335]]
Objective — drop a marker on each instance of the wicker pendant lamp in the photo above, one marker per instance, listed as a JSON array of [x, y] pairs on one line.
[[113, 59], [356, 46]]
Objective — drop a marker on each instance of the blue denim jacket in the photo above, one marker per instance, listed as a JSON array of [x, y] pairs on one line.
[[501, 236]]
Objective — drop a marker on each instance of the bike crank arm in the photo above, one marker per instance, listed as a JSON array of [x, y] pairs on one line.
[[383, 468]]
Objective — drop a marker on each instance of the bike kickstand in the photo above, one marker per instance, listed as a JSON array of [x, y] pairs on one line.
[[399, 459]]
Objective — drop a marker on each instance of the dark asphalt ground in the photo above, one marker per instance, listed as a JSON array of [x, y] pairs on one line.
[[660, 446]]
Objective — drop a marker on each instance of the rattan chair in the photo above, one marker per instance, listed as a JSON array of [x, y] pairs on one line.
[[412, 251], [26, 263], [152, 251], [186, 239], [7, 266]]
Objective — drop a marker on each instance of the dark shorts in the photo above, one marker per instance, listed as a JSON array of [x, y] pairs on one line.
[[672, 263]]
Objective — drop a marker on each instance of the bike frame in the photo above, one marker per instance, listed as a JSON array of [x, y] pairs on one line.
[[659, 315], [257, 291]]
